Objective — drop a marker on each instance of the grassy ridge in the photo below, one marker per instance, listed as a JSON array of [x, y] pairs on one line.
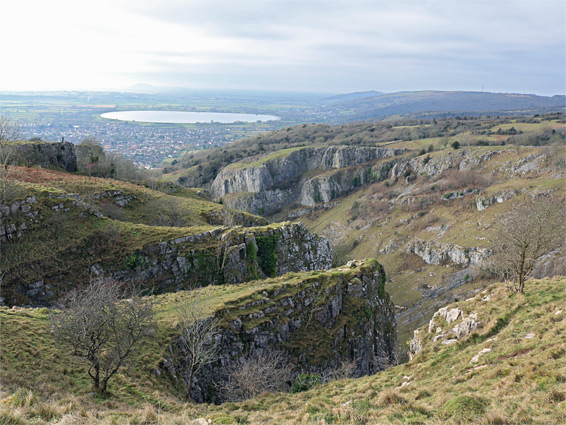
[[521, 379], [70, 222]]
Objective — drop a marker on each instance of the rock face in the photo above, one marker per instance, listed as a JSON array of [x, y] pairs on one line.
[[211, 257], [433, 165], [433, 252], [267, 185], [316, 323], [46, 155]]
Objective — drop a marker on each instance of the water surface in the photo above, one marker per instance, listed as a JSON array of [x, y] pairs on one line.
[[179, 117]]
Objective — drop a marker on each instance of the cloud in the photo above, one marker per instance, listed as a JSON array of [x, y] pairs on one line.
[[330, 45]]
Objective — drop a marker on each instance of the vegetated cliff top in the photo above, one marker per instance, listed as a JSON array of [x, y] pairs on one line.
[[511, 369], [36, 369], [57, 225], [198, 169]]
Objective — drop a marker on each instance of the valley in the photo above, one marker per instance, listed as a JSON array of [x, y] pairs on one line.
[[320, 248]]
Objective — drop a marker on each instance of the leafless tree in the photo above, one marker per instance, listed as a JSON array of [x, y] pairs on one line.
[[9, 132], [170, 212], [347, 369], [9, 188], [267, 372], [103, 328], [531, 230], [198, 347]]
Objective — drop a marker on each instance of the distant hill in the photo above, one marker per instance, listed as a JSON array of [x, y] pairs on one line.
[[369, 105], [353, 96]]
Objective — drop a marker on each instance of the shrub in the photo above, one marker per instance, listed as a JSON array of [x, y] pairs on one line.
[[266, 254], [304, 382]]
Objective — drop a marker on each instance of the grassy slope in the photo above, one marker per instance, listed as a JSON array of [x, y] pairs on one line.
[[66, 243], [364, 222], [521, 380], [36, 368]]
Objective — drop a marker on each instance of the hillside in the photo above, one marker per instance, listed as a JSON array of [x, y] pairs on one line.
[[278, 313], [423, 200], [371, 105], [425, 209], [510, 369], [58, 230], [200, 168]]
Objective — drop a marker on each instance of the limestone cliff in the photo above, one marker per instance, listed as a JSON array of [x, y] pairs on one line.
[[316, 320], [304, 175]]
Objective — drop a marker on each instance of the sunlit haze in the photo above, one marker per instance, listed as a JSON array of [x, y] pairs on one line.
[[303, 45]]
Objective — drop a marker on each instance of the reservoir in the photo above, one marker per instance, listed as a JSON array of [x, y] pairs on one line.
[[179, 117]]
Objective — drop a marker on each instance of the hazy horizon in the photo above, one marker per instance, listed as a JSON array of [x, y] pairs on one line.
[[504, 46]]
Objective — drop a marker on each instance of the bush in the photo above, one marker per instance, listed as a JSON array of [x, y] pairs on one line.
[[266, 254], [455, 145], [304, 382]]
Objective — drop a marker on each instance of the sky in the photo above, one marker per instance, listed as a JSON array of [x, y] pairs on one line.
[[332, 46]]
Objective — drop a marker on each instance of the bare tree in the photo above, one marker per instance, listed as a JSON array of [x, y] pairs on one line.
[[170, 212], [531, 230], [267, 372], [346, 369], [198, 347], [9, 132], [102, 328]]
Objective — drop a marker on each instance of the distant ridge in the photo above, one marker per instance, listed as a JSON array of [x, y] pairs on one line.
[[353, 96], [369, 105]]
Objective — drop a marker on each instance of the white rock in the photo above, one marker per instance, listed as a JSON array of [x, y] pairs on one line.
[[530, 335], [476, 358], [453, 314], [437, 337]]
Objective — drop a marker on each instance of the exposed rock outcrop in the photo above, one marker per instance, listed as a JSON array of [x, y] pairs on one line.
[[447, 326], [484, 202], [47, 155], [433, 252], [306, 175], [316, 323], [433, 165], [217, 256]]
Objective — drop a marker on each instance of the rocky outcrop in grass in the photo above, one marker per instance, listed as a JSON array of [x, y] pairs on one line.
[[433, 252]]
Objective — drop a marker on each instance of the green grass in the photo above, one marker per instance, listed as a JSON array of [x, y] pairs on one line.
[[520, 380], [357, 226]]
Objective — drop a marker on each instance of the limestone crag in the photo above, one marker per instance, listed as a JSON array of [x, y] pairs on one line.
[[433, 252], [47, 155], [221, 255], [433, 165], [268, 184], [316, 324], [484, 202]]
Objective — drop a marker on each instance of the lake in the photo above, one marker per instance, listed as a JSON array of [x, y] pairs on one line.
[[179, 117]]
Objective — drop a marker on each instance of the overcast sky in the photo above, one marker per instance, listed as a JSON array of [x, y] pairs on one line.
[[298, 45]]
